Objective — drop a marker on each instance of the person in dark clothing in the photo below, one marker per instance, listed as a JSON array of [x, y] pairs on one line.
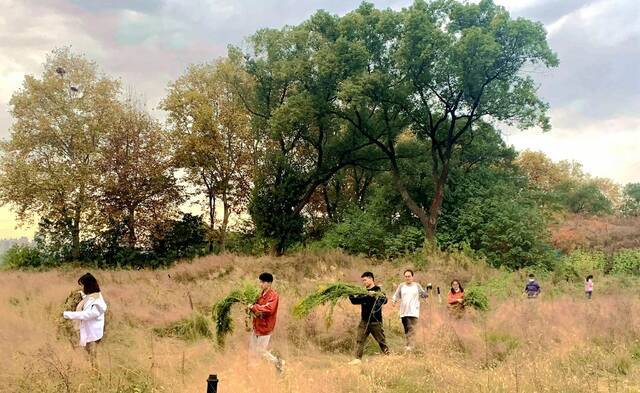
[[371, 317], [532, 288]]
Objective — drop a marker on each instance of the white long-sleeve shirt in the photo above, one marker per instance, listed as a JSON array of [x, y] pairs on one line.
[[409, 296], [91, 318]]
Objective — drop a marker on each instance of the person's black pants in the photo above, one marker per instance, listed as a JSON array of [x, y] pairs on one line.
[[410, 325], [376, 330]]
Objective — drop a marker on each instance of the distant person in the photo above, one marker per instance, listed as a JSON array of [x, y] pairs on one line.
[[90, 315], [532, 288], [588, 286], [370, 317], [409, 294], [455, 299], [265, 312]]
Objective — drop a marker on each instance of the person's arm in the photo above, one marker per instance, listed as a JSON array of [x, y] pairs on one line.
[[357, 299], [92, 312], [422, 292], [451, 299], [267, 308], [397, 295]]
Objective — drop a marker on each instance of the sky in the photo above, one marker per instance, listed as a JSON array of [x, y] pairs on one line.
[[594, 94]]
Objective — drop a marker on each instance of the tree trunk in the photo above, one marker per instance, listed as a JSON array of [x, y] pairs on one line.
[[131, 227], [407, 199], [75, 235], [225, 221], [212, 217], [436, 203], [277, 249]]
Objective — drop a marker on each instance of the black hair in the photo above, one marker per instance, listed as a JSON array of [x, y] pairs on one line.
[[589, 277], [460, 285], [265, 277], [409, 270], [89, 284], [367, 274], [531, 275]]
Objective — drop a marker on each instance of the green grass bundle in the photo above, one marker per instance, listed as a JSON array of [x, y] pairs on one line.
[[328, 295], [188, 329], [475, 297], [221, 311]]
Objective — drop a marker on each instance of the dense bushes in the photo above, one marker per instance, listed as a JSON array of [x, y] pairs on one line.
[[626, 261], [176, 239], [23, 256]]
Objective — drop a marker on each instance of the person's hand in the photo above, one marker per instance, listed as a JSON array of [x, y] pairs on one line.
[[65, 316], [460, 300]]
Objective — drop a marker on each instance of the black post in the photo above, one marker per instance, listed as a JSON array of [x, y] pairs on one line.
[[212, 384]]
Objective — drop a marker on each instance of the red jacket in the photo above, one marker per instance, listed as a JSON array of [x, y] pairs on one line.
[[265, 312]]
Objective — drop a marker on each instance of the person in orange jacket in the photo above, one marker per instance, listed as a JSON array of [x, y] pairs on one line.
[[265, 312], [455, 299]]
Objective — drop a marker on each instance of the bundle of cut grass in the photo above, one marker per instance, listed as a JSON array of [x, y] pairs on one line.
[[221, 311], [328, 295], [66, 328], [188, 329], [475, 297]]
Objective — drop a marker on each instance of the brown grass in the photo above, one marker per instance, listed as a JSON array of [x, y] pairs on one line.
[[560, 343], [609, 233]]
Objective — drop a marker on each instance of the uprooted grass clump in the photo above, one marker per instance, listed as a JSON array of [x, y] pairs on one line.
[[189, 329], [66, 328], [475, 297], [221, 311], [328, 295]]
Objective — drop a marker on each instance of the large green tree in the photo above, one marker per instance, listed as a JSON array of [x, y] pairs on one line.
[[437, 69], [212, 137], [302, 142], [49, 164]]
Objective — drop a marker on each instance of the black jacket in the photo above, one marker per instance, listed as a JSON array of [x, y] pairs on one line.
[[371, 305]]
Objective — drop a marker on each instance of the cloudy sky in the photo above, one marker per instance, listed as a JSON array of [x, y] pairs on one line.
[[594, 94]]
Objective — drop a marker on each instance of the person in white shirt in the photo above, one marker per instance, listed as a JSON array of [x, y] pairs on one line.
[[89, 315], [409, 294]]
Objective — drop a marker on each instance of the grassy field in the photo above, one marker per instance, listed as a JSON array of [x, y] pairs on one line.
[[558, 343]]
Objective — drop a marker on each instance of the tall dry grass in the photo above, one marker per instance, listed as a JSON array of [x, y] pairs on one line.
[[561, 343]]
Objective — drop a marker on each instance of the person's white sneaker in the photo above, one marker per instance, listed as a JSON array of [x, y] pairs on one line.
[[355, 362], [280, 366], [408, 349]]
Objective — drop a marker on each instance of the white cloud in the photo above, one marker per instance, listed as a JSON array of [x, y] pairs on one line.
[[607, 148]]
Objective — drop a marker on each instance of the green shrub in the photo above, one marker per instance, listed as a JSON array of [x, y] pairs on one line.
[[21, 256], [406, 242], [579, 264], [359, 233], [475, 296], [627, 261]]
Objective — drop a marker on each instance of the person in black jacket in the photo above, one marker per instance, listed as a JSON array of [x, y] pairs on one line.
[[371, 316]]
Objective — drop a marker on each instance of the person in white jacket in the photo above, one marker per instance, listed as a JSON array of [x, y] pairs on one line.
[[409, 294], [89, 315]]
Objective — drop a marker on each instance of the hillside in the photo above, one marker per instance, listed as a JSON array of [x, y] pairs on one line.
[[592, 232], [560, 343]]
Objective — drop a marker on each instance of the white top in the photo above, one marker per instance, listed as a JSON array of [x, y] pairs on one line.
[[409, 296], [91, 318]]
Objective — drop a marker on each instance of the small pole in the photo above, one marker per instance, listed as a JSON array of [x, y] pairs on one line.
[[212, 383]]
